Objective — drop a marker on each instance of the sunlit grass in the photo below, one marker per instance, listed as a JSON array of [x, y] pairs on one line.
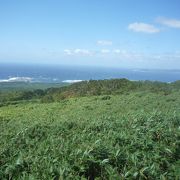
[[129, 136]]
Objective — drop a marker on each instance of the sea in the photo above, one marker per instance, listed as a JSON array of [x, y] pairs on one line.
[[69, 74]]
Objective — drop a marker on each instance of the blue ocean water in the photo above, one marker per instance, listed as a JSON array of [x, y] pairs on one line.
[[55, 74]]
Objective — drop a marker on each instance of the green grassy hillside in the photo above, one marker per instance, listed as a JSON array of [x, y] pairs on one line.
[[96, 130], [19, 86]]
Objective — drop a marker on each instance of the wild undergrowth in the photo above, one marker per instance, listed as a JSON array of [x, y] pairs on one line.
[[128, 136]]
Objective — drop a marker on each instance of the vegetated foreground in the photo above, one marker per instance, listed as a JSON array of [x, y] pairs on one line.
[[130, 134]]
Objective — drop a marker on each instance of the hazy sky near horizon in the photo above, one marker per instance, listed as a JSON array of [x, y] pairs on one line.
[[119, 33]]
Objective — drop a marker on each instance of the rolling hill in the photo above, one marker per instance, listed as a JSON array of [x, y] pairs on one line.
[[106, 129]]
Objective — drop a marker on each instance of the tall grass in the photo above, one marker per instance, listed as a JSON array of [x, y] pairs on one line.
[[128, 136]]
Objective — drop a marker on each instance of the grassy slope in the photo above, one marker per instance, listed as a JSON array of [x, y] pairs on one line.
[[133, 135], [15, 86]]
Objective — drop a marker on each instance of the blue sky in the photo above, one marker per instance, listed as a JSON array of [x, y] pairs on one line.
[[119, 33]]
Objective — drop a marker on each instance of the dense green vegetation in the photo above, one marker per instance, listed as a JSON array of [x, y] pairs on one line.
[[15, 92], [111, 129], [56, 92], [19, 86]]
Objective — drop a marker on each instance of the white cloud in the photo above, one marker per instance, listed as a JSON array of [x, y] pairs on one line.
[[81, 52], [143, 27], [125, 55], [174, 23], [104, 42], [68, 52], [119, 51], [105, 51]]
